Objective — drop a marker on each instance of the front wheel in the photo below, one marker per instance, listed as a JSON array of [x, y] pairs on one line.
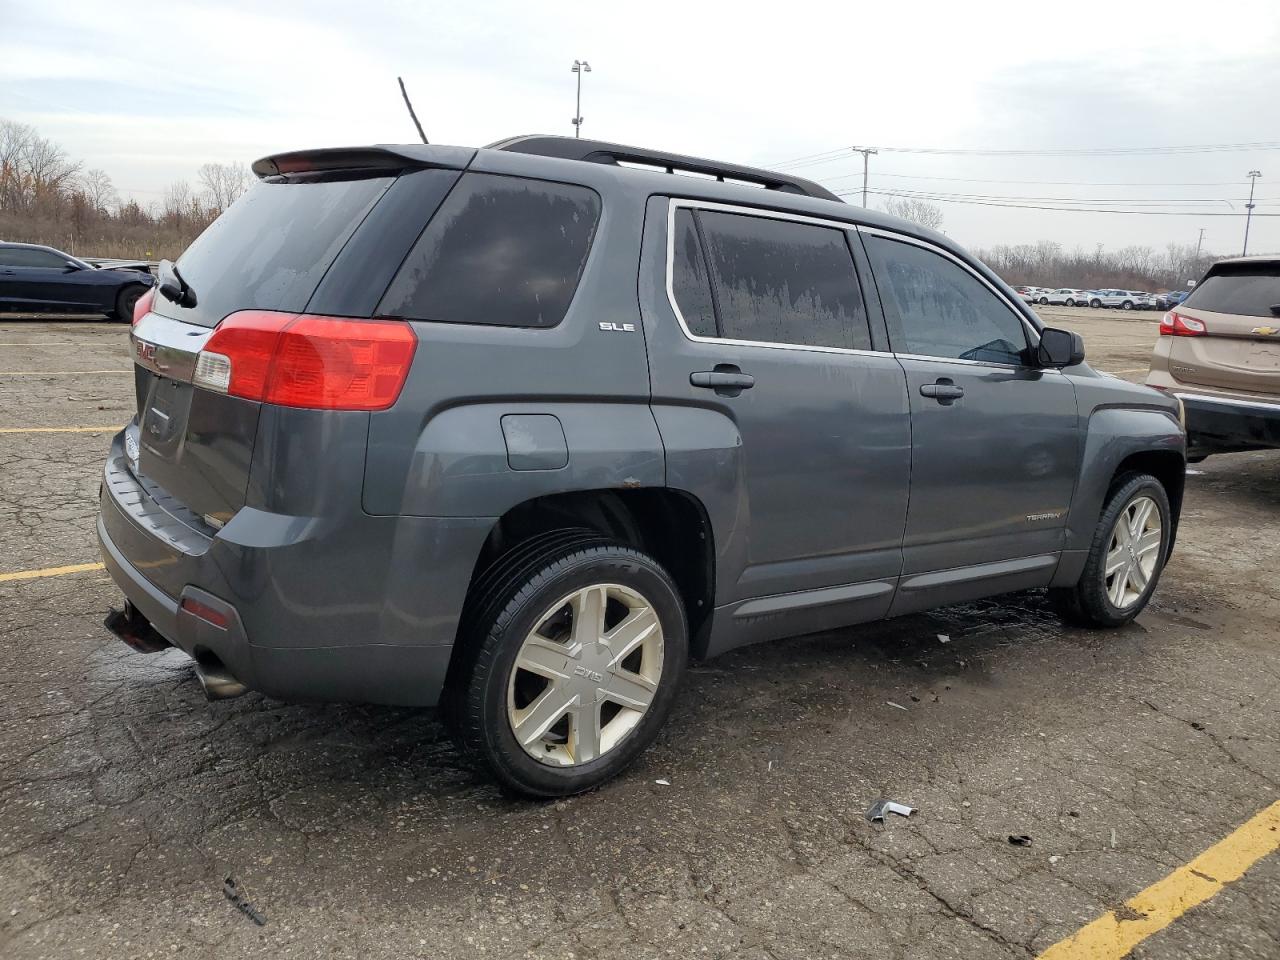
[[1126, 557], [1044, 301], [126, 300], [1095, 303], [575, 657]]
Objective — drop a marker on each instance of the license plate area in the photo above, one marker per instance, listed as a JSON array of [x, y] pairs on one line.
[[164, 418]]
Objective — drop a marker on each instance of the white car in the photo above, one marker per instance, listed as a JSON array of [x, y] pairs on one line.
[[1064, 296], [1124, 299]]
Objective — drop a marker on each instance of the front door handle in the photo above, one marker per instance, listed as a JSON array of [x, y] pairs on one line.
[[726, 380], [944, 391]]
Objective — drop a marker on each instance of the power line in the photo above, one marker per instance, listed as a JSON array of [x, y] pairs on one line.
[[839, 153], [1050, 183], [1027, 206], [1140, 201]]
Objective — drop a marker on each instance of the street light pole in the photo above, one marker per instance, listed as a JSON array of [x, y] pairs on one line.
[[579, 67], [866, 158], [1248, 209]]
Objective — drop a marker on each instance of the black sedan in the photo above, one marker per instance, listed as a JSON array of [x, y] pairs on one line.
[[36, 279]]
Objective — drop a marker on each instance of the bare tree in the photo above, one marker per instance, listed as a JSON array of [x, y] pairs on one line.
[[99, 190], [917, 211], [223, 183]]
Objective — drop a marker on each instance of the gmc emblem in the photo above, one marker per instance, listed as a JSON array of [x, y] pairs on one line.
[[146, 351]]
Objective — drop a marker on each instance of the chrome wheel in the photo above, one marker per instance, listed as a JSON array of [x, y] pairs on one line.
[[1133, 552], [585, 675]]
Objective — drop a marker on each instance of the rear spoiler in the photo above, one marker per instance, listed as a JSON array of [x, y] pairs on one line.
[[381, 157]]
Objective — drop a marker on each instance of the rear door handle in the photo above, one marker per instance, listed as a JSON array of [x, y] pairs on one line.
[[726, 380], [944, 391]]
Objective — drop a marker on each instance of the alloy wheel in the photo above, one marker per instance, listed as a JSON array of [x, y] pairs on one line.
[[1133, 552], [585, 675]]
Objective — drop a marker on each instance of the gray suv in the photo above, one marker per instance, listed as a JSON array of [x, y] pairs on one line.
[[520, 430]]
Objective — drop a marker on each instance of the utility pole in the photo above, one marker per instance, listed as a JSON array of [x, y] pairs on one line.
[[866, 159], [1199, 244], [1248, 208], [579, 67]]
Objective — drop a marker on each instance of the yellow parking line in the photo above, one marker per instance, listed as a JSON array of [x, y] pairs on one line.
[[49, 572], [59, 429], [55, 373], [1114, 934]]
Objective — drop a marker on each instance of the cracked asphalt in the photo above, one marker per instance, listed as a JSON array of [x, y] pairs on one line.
[[356, 831]]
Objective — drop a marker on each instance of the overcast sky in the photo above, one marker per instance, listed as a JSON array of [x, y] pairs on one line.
[[149, 91]]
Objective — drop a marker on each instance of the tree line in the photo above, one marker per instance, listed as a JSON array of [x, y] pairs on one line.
[[1046, 264], [48, 197]]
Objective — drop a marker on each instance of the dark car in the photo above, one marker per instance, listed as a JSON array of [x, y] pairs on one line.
[[36, 279], [519, 430]]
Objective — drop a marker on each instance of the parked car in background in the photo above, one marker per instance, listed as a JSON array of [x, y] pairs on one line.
[[1122, 299], [1219, 353], [1028, 294], [38, 279], [1170, 298], [1065, 296]]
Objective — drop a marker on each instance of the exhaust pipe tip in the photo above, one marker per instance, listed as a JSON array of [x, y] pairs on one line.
[[217, 680]]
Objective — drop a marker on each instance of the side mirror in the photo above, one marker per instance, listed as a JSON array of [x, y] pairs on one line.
[[1059, 348], [70, 268]]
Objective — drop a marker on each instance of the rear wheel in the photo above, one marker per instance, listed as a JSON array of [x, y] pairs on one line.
[[1070, 302], [1127, 305], [126, 300], [1126, 557], [574, 657]]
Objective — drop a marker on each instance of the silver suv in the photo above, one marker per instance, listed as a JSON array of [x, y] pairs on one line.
[[520, 430]]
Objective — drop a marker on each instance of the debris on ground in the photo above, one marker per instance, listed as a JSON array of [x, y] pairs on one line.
[[881, 807], [232, 892], [663, 782], [943, 638], [898, 705], [1020, 840]]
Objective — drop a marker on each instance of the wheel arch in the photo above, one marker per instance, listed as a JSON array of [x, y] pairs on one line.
[[668, 524]]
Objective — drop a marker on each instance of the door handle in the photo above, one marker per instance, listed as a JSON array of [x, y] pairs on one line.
[[944, 391], [726, 380]]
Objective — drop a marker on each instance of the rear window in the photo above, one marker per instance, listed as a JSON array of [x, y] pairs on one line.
[[269, 250], [502, 251], [1248, 289]]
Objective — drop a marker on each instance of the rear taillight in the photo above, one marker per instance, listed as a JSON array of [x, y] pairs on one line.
[[143, 306], [300, 360], [1176, 325]]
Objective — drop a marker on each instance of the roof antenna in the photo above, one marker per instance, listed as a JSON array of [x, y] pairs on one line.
[[405, 93]]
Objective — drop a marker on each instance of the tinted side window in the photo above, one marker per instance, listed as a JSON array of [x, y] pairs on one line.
[[689, 280], [21, 257], [935, 308], [1247, 289], [783, 282], [500, 250]]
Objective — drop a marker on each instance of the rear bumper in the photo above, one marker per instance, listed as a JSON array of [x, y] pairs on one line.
[[351, 608], [1223, 424]]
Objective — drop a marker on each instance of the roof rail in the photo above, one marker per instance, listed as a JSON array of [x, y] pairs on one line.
[[597, 151]]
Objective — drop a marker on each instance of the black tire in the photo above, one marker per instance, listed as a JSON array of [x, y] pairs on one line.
[[1044, 301], [1127, 305], [1070, 302], [1095, 303], [126, 299], [508, 601], [1087, 603]]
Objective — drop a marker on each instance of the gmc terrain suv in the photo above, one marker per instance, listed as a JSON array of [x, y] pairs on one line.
[[521, 429], [1219, 352]]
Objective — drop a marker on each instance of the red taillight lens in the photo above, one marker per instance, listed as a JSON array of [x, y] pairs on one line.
[[299, 360], [143, 306], [1176, 325]]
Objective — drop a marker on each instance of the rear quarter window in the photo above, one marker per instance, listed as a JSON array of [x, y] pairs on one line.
[[503, 251], [1246, 289]]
